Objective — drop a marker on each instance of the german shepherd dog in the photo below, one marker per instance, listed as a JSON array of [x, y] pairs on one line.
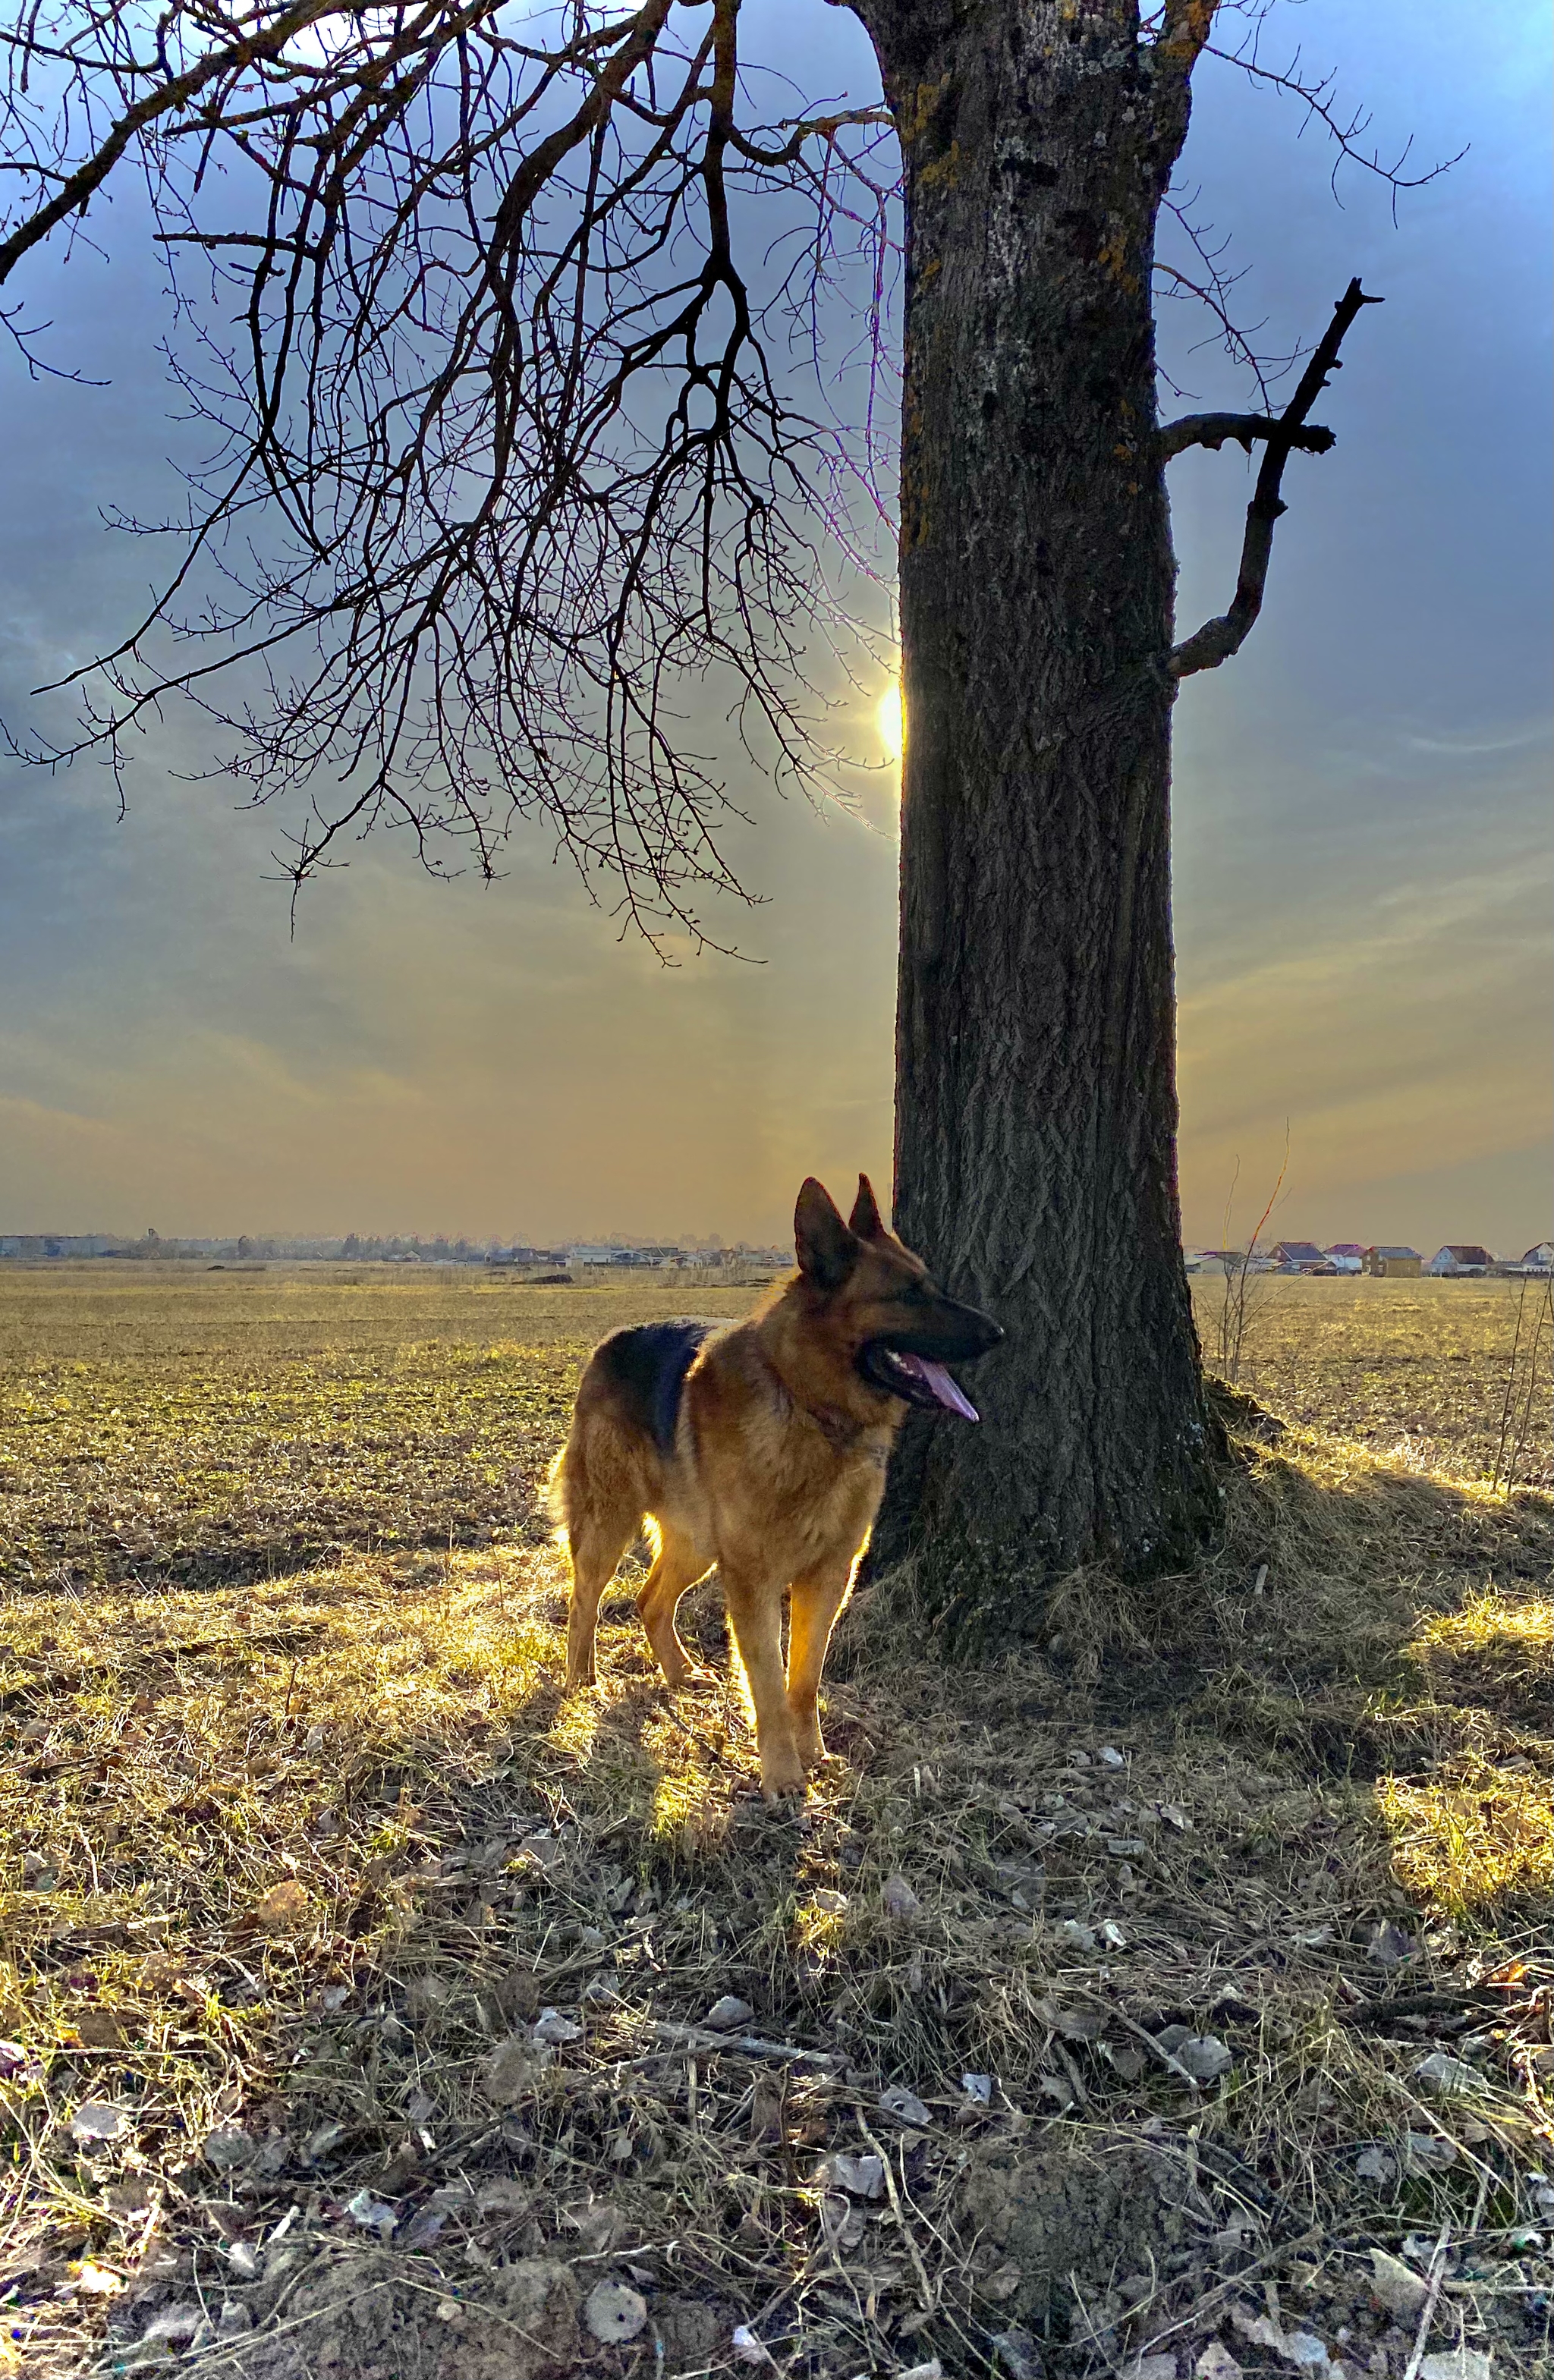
[[760, 1446]]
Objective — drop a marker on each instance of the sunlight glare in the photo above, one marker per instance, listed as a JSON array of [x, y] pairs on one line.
[[891, 721]]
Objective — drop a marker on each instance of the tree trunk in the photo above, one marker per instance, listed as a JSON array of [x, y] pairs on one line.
[[1035, 1100]]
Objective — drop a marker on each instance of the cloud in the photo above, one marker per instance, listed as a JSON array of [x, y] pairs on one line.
[[1393, 1047], [490, 1059], [1474, 748]]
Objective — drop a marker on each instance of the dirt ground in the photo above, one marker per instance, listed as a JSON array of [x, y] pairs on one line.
[[1171, 1999]]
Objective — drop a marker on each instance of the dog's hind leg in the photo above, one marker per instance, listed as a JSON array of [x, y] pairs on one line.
[[678, 1565], [599, 1491], [814, 1603], [595, 1545], [596, 1549]]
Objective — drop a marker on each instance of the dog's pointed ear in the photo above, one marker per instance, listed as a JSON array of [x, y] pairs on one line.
[[865, 1217], [827, 1250]]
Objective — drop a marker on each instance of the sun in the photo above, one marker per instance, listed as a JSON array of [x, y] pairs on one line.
[[891, 721]]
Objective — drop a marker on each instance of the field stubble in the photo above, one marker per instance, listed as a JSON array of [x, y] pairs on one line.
[[1417, 1370], [1128, 1998]]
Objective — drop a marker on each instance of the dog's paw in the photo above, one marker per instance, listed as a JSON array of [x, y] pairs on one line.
[[781, 1776], [692, 1679]]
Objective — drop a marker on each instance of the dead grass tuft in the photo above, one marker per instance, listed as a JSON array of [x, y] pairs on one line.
[[1476, 1838]]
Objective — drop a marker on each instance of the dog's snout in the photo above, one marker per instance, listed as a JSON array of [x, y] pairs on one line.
[[979, 1333]]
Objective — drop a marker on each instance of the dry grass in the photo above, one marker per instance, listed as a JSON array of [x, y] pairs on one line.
[[159, 1423], [1413, 1370], [1480, 1832], [286, 1859]]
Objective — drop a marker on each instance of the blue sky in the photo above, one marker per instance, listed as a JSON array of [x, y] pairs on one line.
[[1364, 849]]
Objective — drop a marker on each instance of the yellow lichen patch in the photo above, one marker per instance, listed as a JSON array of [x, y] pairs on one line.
[[916, 115], [942, 172], [1114, 258]]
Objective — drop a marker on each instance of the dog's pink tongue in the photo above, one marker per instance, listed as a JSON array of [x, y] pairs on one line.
[[937, 1380]]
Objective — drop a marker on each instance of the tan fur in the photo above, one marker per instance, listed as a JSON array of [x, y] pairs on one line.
[[776, 1474]]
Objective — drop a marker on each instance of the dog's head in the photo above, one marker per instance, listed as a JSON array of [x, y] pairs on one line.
[[883, 1309]]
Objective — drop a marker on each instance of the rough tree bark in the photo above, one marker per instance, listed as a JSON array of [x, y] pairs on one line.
[[1037, 1113]]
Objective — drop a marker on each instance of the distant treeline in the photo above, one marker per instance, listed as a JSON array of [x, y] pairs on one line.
[[248, 1248], [36, 1248]]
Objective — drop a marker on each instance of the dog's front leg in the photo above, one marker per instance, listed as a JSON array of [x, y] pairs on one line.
[[754, 1611], [816, 1600]]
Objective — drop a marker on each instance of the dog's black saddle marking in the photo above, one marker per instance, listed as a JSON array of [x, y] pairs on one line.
[[649, 1364]]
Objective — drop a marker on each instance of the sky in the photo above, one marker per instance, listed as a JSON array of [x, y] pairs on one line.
[[1364, 832]]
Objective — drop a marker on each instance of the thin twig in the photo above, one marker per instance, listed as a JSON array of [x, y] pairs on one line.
[[700, 2039], [1070, 2067], [1155, 2048], [1524, 1426], [924, 2285], [1510, 1397], [1432, 2299]]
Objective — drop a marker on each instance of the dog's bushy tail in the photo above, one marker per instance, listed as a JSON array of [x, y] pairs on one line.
[[598, 1486]]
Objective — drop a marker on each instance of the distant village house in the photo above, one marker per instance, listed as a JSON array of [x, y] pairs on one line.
[[1394, 1264], [1458, 1264]]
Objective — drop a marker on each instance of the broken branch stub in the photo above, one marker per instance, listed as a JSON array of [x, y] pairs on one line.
[[1220, 637]]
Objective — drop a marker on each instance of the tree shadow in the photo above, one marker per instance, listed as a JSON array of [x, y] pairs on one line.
[[1318, 1628]]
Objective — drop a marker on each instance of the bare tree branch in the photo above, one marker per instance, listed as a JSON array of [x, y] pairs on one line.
[[1218, 638], [1345, 128], [508, 447], [1213, 429], [516, 341], [77, 190], [1182, 31]]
